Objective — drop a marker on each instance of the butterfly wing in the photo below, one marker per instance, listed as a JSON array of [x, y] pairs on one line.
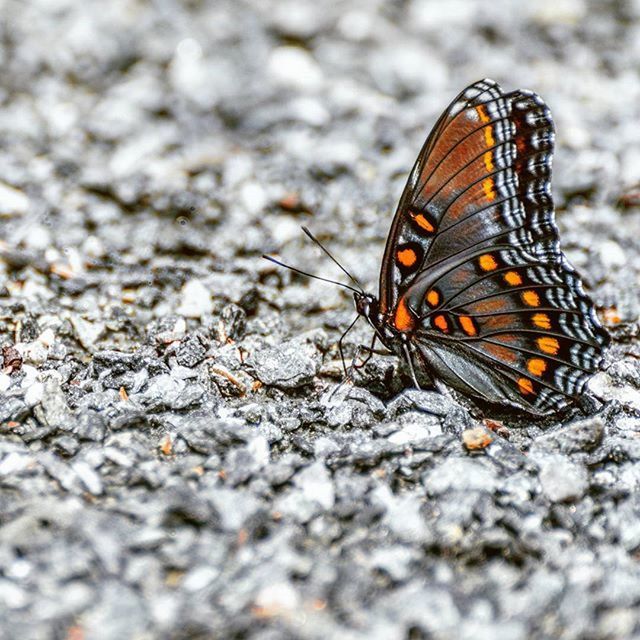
[[473, 269], [417, 216]]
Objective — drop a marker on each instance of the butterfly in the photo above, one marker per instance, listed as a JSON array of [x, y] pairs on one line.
[[474, 289]]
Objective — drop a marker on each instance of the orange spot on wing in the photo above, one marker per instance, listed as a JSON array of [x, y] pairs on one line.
[[433, 298], [403, 319], [548, 345], [488, 187], [541, 320], [482, 113], [441, 322], [531, 298], [536, 366], [423, 223], [468, 326], [525, 386], [488, 161], [513, 278], [488, 136], [407, 257], [487, 262]]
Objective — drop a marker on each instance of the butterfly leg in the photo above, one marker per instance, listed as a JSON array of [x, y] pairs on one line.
[[355, 365], [407, 353], [370, 351], [341, 345], [347, 372]]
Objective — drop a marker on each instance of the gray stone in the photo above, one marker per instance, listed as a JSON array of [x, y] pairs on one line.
[[403, 515], [191, 351], [562, 480], [583, 435], [460, 474], [119, 611], [180, 456], [288, 366]]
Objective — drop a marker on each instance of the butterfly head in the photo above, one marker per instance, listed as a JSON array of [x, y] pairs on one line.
[[367, 306]]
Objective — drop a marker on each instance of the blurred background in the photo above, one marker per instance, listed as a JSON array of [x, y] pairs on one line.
[[150, 152], [215, 128]]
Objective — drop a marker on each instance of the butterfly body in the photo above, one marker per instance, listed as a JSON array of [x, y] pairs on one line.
[[474, 289]]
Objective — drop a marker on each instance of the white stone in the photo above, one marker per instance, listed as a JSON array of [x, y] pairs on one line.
[[310, 111], [183, 373], [293, 66], [285, 228], [14, 463], [13, 596], [253, 197], [32, 375], [612, 254], [13, 202], [259, 449], [562, 480], [436, 16], [195, 300], [47, 337], [317, 484], [86, 332], [38, 237], [90, 479], [277, 598], [33, 290], [415, 432], [603, 387], [199, 578], [5, 382], [33, 394], [93, 247], [402, 515], [556, 12], [356, 25]]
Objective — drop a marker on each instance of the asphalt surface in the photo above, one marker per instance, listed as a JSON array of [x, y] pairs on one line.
[[174, 459]]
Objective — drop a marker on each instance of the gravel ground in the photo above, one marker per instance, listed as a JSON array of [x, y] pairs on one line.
[[172, 462]]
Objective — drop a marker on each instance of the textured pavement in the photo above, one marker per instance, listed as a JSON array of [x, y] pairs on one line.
[[173, 463]]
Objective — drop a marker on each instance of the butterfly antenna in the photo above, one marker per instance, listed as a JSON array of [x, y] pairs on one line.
[[311, 275], [312, 237]]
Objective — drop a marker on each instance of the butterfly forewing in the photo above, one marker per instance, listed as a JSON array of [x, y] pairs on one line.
[[473, 272], [413, 220]]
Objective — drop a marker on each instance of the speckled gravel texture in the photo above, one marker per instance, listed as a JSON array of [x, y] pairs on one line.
[[172, 462]]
